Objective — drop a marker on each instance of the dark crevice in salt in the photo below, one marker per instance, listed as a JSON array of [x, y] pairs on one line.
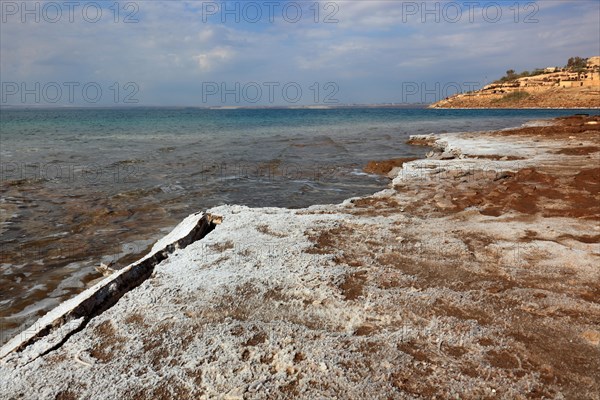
[[109, 295]]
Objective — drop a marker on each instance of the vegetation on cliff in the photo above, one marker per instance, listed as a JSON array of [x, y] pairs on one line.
[[575, 85], [574, 64]]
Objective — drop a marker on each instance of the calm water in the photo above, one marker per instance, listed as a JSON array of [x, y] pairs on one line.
[[81, 186]]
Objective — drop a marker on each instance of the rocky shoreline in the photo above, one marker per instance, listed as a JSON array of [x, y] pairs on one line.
[[474, 275]]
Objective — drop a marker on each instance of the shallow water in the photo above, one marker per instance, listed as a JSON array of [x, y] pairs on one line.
[[84, 186]]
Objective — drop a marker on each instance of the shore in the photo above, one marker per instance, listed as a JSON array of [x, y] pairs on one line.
[[475, 274]]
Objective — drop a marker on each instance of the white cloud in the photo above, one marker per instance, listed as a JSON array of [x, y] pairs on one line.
[[370, 50], [206, 35], [207, 61]]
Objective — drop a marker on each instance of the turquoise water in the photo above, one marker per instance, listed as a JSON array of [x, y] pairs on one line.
[[80, 186]]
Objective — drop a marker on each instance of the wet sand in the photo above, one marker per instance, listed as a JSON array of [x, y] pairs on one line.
[[474, 275]]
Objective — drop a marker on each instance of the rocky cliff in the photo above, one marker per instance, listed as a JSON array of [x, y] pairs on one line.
[[554, 88]]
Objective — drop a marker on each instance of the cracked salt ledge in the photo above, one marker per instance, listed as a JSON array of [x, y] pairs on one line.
[[57, 325]]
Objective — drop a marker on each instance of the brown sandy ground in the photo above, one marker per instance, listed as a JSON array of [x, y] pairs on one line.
[[585, 97], [475, 276]]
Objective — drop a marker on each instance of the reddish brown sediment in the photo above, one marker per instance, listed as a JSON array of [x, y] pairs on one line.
[[579, 151], [565, 128], [384, 167], [421, 141]]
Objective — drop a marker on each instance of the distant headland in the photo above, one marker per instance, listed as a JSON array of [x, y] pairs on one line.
[[576, 85]]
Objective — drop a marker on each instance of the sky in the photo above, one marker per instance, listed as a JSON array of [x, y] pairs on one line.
[[278, 53]]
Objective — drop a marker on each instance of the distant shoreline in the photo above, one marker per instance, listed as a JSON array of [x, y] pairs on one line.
[[279, 107], [327, 107]]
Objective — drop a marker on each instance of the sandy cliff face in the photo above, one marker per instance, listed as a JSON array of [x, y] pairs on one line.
[[560, 88]]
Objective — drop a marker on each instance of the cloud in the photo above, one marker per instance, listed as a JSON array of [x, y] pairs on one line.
[[370, 51], [207, 61]]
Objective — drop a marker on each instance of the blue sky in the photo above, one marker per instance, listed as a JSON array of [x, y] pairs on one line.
[[225, 54]]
